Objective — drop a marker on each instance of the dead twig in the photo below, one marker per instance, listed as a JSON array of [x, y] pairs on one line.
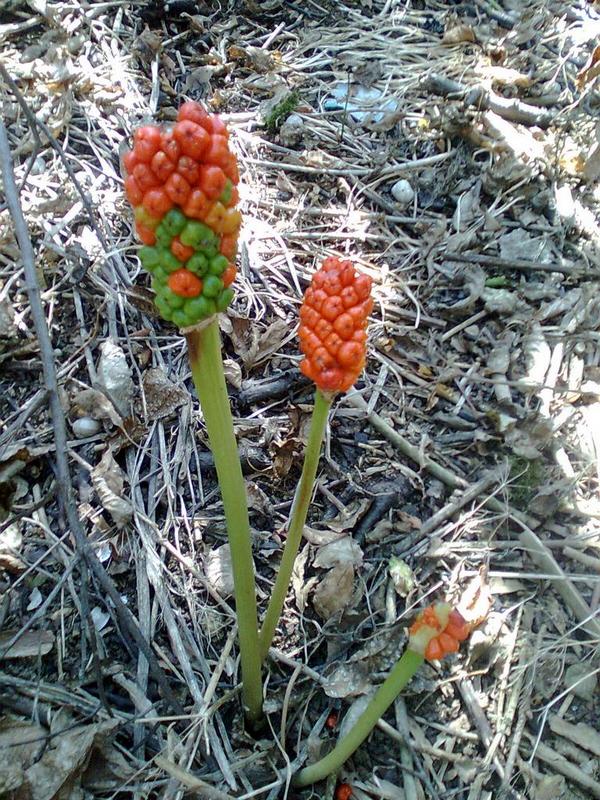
[[65, 490], [485, 100]]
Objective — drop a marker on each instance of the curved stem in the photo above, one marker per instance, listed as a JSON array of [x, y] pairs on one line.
[[400, 675], [207, 370], [298, 518]]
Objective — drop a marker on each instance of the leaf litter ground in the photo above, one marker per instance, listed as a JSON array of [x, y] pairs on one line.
[[451, 151]]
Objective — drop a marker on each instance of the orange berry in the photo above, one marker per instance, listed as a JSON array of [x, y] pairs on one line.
[[323, 328], [192, 138], [180, 250], [197, 206], [145, 235], [343, 792], [362, 286], [189, 170], [231, 169], [178, 189], [235, 197], [350, 354], [217, 152], [170, 146], [157, 202], [133, 191], [146, 142], [218, 126], [184, 283], [332, 308], [447, 642], [162, 166], [232, 221], [212, 181], [129, 161], [229, 275], [144, 176], [194, 112], [434, 651], [344, 326], [228, 246]]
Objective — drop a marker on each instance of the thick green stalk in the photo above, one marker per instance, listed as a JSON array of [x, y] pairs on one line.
[[299, 511], [382, 700], [207, 370]]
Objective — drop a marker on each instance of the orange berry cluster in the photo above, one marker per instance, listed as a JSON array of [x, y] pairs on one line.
[[333, 321], [437, 631], [181, 182]]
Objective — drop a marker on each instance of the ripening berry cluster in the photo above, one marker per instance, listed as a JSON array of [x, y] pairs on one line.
[[333, 321], [437, 631], [181, 182]]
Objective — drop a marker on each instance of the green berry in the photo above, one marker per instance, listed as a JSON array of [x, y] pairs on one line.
[[218, 265], [198, 308], [174, 221], [168, 261], [225, 195], [173, 300], [163, 308], [180, 318], [198, 265], [163, 237], [160, 276], [196, 234], [212, 286], [149, 256], [209, 250], [225, 297]]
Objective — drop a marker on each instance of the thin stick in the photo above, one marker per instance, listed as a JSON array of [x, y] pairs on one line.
[[298, 518], [63, 475], [207, 370]]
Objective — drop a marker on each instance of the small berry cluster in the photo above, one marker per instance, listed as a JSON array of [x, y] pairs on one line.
[[181, 182], [437, 631], [333, 319]]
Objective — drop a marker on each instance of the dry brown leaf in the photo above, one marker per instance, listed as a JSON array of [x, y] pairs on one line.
[[77, 759], [114, 377], [95, 404], [163, 397], [108, 480], [334, 592], [219, 570], [348, 680], [459, 34], [30, 644], [591, 69], [341, 551]]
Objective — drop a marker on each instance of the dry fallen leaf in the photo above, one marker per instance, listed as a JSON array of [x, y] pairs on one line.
[[341, 551], [591, 69], [114, 377], [458, 34], [219, 570], [348, 680], [30, 644], [334, 592], [108, 480], [163, 397]]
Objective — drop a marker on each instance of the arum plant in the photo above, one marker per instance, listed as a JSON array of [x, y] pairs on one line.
[[436, 632], [182, 184], [333, 321]]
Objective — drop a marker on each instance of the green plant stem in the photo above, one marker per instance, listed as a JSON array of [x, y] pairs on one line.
[[207, 370], [298, 518], [400, 675]]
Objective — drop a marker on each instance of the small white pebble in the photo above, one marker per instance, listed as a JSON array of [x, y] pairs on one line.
[[85, 426], [403, 192]]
